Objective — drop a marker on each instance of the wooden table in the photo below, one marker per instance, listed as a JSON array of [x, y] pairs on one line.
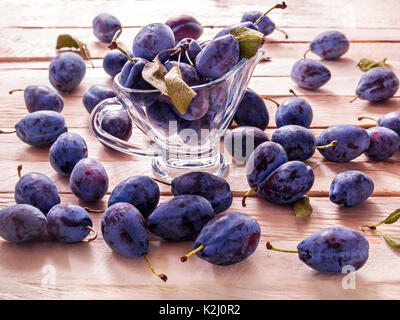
[[92, 270]]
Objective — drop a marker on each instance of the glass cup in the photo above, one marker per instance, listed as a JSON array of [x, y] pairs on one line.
[[179, 143]]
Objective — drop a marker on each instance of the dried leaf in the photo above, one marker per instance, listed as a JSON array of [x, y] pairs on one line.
[[67, 41], [154, 73], [392, 241], [366, 64], [249, 41], [179, 92], [302, 207]]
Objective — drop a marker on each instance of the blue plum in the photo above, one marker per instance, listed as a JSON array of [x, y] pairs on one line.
[[297, 141], [330, 45], [390, 120], [42, 98], [105, 26], [95, 94], [189, 74], [214, 189], [241, 142], [181, 218], [41, 128], [140, 191], [124, 230], [89, 180], [266, 26], [185, 26], [22, 223], [352, 141], [36, 189], [66, 71], [153, 39], [161, 115], [68, 223], [114, 61], [287, 183], [118, 124], [191, 46], [266, 158], [310, 74], [350, 188], [218, 57], [332, 249], [66, 152], [384, 143], [227, 30], [131, 75], [377, 84], [252, 111], [227, 239], [294, 110]]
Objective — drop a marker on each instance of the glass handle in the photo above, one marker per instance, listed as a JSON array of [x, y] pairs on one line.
[[109, 105]]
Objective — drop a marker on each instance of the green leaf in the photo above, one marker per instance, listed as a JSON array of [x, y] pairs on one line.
[[392, 241], [392, 218], [179, 92], [249, 41], [154, 73], [366, 64], [67, 41], [302, 208]]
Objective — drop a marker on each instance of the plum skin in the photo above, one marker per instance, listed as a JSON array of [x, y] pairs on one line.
[[350, 188], [331, 249], [228, 238]]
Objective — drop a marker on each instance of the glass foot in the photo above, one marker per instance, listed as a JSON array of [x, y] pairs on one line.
[[166, 170]]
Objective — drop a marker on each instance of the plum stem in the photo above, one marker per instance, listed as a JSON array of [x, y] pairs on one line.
[[93, 210], [274, 101], [94, 233], [305, 53], [162, 276], [114, 45], [332, 144], [293, 93], [247, 194], [184, 258], [187, 57], [363, 118], [19, 169], [284, 32], [279, 6], [7, 132], [270, 247], [355, 98], [15, 90]]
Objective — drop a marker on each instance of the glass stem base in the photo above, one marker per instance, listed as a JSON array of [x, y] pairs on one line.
[[168, 167]]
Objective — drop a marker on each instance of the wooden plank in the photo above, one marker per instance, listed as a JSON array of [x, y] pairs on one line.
[[300, 13], [325, 108], [119, 166], [266, 86], [39, 44], [103, 274]]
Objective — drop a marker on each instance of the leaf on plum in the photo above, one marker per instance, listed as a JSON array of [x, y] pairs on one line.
[[179, 92], [154, 73], [67, 41], [302, 208], [366, 64], [249, 41]]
